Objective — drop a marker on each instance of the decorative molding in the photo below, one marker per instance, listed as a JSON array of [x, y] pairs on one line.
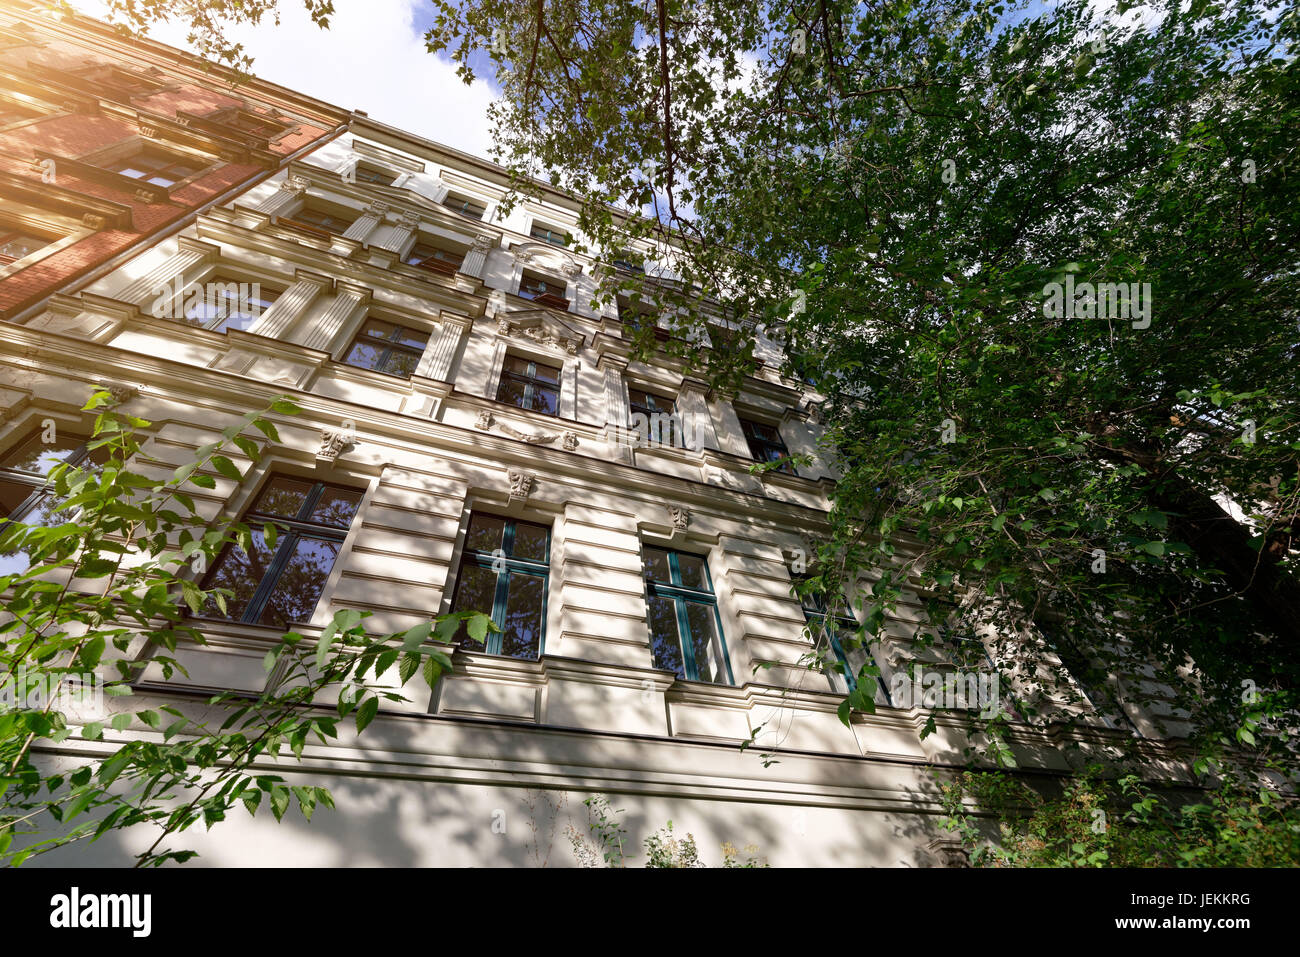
[[296, 183], [486, 421], [333, 443], [485, 243], [521, 484], [541, 329], [680, 517]]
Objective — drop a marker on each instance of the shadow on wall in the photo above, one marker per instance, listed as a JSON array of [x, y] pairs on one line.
[[387, 818]]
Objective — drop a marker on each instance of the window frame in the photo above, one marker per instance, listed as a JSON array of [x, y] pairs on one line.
[[818, 619], [169, 161], [292, 221], [681, 596], [391, 345], [460, 203], [755, 443], [549, 234], [218, 324], [530, 382], [510, 565], [289, 531], [40, 484], [443, 268], [11, 231]]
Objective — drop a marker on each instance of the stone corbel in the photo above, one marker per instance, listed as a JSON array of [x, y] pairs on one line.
[[521, 485], [333, 443], [680, 516]]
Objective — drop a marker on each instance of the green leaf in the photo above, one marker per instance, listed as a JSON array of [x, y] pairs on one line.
[[366, 713]]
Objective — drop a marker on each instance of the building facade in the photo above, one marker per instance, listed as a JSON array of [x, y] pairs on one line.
[[476, 433]]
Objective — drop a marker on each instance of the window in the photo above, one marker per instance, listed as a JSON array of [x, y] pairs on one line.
[[661, 423], [542, 291], [630, 261], [840, 630], [368, 174], [649, 404], [316, 222], [222, 303], [765, 443], [25, 495], [1092, 680], [549, 234], [388, 348], [280, 583], [464, 206], [434, 259], [503, 573], [252, 123], [16, 244], [685, 631], [531, 385], [156, 167]]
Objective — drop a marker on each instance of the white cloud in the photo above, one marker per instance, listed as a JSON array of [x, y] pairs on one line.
[[372, 58]]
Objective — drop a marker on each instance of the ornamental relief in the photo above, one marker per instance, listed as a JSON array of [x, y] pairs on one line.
[[486, 421], [540, 335]]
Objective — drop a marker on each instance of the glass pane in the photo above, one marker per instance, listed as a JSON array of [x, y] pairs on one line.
[[545, 373], [522, 630], [300, 584], [705, 644], [511, 392], [365, 355], [412, 337], [241, 573], [336, 506], [546, 400], [663, 636], [41, 512], [13, 494], [486, 533], [516, 364], [401, 363], [476, 590], [283, 496], [692, 571], [374, 329], [530, 542], [656, 564], [37, 457]]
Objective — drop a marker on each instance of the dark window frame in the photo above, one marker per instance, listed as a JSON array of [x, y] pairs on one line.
[[504, 566], [681, 596], [39, 484], [296, 222], [289, 531], [817, 617], [392, 344], [531, 384], [759, 445]]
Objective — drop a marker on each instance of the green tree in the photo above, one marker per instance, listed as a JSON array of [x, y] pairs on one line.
[[903, 191], [108, 593]]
